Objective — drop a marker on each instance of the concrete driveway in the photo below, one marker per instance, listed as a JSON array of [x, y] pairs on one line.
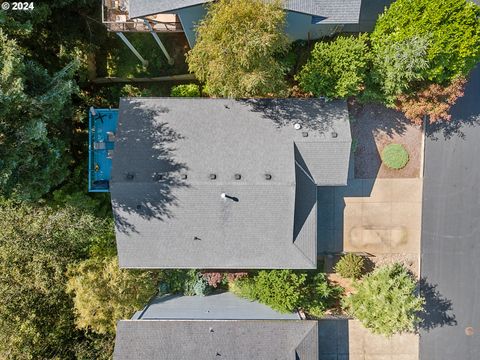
[[375, 216], [349, 340]]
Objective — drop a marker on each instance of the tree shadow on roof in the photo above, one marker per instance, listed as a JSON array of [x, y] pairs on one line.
[[438, 309], [145, 172], [311, 114]]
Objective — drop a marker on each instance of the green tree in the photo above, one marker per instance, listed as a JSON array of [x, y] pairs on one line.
[[385, 301], [397, 67], [33, 147], [451, 28], [237, 47], [37, 244], [336, 69], [103, 293]]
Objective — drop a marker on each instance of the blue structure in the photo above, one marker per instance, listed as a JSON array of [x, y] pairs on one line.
[[101, 141], [306, 19]]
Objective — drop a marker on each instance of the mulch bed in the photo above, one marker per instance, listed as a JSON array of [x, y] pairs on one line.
[[373, 127]]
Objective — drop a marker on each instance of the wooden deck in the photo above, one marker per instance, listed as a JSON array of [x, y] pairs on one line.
[[116, 18]]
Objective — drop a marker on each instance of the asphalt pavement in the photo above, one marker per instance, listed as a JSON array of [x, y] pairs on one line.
[[450, 248]]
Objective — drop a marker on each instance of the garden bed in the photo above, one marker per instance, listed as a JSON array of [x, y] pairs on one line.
[[373, 127]]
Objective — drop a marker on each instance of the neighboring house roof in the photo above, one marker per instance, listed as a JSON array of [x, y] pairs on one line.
[[206, 340], [338, 12], [169, 213], [217, 306]]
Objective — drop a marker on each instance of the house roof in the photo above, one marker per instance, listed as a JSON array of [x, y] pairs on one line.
[[206, 340], [338, 12], [216, 306], [170, 213]]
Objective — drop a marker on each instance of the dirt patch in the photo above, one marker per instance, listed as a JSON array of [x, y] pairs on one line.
[[373, 127]]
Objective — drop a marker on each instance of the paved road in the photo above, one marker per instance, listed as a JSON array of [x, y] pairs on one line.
[[451, 235]]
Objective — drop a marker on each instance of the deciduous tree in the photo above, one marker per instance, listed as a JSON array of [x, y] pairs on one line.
[[237, 49], [451, 27], [385, 301]]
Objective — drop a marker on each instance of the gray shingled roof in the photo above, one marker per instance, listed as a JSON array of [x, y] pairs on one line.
[[165, 220], [207, 340], [334, 12], [216, 306]]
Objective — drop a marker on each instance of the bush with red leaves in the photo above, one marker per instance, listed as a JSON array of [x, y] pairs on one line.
[[434, 102]]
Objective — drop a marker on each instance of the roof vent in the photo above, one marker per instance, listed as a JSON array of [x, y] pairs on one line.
[[268, 176], [196, 238], [158, 177], [334, 134], [213, 176], [297, 126], [305, 134], [184, 176], [130, 176], [226, 106], [238, 176], [211, 330]]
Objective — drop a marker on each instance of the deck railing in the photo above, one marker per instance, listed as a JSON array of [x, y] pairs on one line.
[[116, 18]]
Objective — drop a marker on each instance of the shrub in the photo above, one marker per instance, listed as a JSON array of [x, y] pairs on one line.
[[195, 284], [336, 69], [287, 290], [395, 156], [188, 90], [450, 26], [213, 278], [434, 102], [237, 49], [350, 266], [385, 301]]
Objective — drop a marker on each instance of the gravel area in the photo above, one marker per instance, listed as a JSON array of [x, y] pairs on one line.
[[373, 127]]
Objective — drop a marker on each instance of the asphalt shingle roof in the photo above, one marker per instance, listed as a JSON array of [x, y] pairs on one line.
[[206, 340], [170, 213], [337, 12]]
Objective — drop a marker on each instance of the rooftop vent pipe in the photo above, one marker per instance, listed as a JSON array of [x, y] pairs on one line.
[[297, 126]]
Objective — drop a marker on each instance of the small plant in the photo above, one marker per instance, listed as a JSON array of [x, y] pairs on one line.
[[195, 284], [188, 90], [354, 145], [395, 156], [350, 266]]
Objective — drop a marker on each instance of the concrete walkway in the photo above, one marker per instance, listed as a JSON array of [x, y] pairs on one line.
[[349, 340]]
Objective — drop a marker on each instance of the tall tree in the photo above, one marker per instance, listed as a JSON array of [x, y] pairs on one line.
[[104, 293], [33, 141], [37, 244], [451, 28], [237, 47]]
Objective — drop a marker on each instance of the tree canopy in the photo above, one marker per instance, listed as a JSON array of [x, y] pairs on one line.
[[237, 49], [37, 244], [336, 69], [104, 293], [33, 147], [450, 27], [385, 301]]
